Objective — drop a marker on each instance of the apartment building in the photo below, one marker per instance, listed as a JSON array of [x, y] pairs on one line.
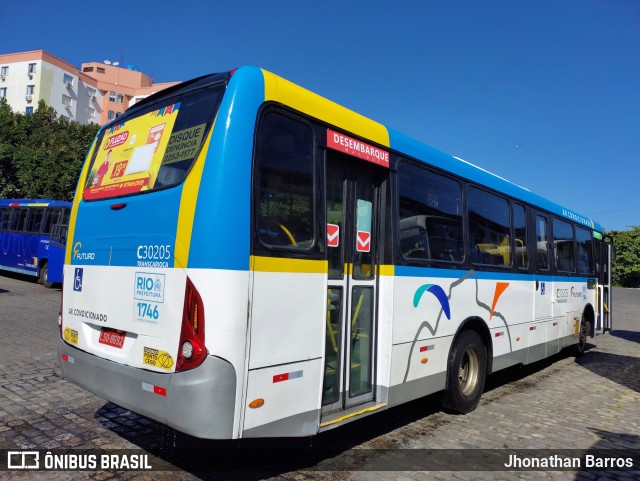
[[95, 93]]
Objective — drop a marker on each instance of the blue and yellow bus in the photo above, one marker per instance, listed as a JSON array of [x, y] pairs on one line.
[[33, 235], [249, 259]]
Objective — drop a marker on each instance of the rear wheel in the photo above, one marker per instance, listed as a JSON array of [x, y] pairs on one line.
[[44, 276], [466, 372], [585, 329]]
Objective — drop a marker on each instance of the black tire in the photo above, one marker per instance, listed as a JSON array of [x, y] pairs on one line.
[[44, 276], [466, 373], [585, 329]]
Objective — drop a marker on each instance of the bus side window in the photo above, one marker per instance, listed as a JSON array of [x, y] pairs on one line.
[[34, 219], [489, 228], [542, 246], [520, 236], [5, 216], [430, 220], [563, 239], [52, 217], [284, 153], [584, 241], [20, 217]]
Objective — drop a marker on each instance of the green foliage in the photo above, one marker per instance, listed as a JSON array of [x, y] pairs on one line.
[[626, 266], [41, 155]]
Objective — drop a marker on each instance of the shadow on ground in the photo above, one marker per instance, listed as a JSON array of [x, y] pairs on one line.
[[253, 459], [618, 368], [633, 336]]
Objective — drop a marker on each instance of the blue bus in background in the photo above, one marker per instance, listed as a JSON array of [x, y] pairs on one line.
[[33, 237]]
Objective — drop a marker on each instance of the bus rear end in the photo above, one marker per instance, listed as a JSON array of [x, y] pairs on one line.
[[133, 323]]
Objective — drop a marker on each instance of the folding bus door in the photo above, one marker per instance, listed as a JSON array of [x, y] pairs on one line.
[[353, 242]]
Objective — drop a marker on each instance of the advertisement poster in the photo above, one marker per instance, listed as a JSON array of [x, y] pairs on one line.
[[130, 155]]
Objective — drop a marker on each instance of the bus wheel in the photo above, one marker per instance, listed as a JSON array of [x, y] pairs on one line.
[[585, 328], [466, 371], [44, 276]]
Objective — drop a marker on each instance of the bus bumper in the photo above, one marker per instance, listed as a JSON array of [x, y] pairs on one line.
[[199, 402]]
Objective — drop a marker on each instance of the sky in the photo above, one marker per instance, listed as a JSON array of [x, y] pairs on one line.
[[544, 93]]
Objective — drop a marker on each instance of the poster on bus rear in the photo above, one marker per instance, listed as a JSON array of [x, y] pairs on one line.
[[130, 154]]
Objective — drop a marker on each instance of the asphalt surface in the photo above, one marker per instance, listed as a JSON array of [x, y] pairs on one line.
[[591, 403]]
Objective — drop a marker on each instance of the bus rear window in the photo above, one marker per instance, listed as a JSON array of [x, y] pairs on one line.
[[154, 147]]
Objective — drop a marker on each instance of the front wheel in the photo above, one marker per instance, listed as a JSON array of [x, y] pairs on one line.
[[466, 372]]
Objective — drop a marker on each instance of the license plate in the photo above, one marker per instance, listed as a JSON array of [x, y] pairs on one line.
[[112, 338]]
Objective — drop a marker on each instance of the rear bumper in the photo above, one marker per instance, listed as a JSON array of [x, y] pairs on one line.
[[199, 402]]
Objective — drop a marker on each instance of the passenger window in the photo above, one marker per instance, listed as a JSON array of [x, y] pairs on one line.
[[542, 245], [520, 236], [584, 243], [563, 240], [284, 154], [488, 228], [5, 218], [18, 219], [51, 218], [430, 215], [34, 219]]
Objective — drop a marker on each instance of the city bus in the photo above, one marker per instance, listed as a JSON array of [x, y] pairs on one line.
[[33, 236], [249, 259]]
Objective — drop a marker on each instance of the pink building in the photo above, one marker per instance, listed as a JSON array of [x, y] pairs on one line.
[[97, 93]]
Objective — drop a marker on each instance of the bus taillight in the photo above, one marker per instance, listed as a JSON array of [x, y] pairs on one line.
[[191, 350], [60, 314]]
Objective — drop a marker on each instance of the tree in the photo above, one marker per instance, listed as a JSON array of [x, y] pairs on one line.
[[41, 154], [626, 266], [8, 139]]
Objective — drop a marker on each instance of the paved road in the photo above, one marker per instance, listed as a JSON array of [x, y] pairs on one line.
[[560, 403]]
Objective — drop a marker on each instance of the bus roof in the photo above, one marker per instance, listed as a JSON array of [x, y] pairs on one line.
[[305, 101], [33, 203], [281, 90]]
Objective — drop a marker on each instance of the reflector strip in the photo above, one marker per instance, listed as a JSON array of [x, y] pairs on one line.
[[532, 328], [427, 348], [498, 334], [555, 323], [69, 359], [281, 377], [287, 376], [160, 391]]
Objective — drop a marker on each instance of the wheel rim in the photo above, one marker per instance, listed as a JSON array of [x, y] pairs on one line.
[[584, 328], [468, 373]]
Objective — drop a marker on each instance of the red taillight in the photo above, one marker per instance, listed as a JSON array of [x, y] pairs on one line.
[[60, 315], [191, 350]]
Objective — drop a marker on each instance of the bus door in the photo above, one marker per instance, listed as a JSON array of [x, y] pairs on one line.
[[544, 288], [353, 213], [604, 260], [56, 248]]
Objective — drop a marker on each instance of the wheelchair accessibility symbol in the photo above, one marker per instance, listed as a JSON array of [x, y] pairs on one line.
[[77, 279]]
